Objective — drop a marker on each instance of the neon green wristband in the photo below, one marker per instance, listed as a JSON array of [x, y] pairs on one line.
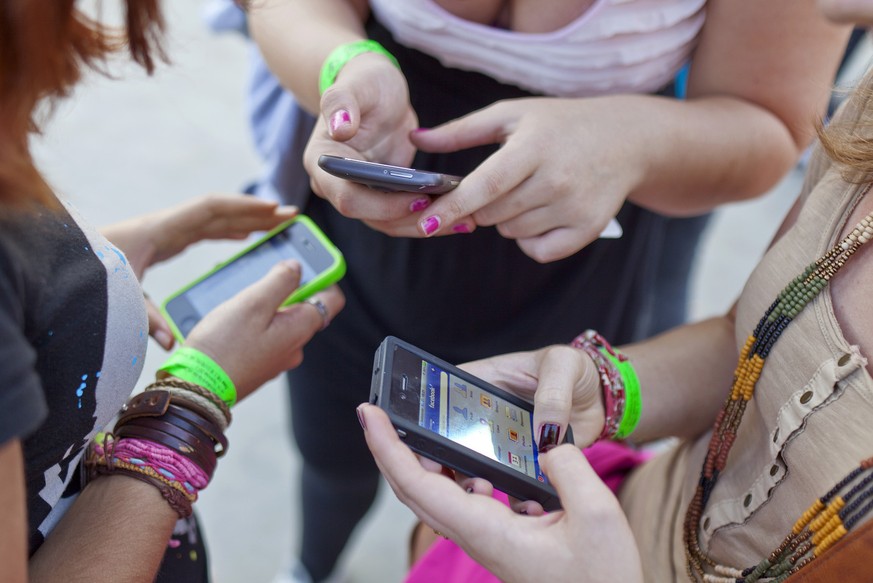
[[633, 402], [341, 55], [189, 364]]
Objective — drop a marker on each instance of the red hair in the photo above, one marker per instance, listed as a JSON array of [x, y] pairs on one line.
[[44, 46]]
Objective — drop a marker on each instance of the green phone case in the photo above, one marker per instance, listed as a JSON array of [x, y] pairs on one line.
[[322, 280]]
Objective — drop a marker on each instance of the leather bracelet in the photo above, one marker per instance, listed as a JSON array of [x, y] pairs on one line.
[[195, 429], [189, 416], [167, 380], [172, 418], [200, 444]]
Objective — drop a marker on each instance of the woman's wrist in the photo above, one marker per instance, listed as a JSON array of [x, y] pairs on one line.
[[163, 439], [341, 55], [195, 366], [622, 403]]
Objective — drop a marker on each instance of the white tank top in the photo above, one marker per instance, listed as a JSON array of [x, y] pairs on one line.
[[616, 46]]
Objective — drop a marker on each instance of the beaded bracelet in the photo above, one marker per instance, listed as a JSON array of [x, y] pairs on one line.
[[196, 367], [341, 55], [622, 402]]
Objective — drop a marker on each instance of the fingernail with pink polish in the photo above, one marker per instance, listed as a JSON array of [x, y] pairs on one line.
[[461, 228], [361, 418], [419, 204], [339, 119], [430, 224]]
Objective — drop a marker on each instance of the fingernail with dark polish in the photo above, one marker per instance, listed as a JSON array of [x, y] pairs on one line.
[[339, 119], [361, 418], [419, 204], [549, 433], [462, 228], [430, 224]]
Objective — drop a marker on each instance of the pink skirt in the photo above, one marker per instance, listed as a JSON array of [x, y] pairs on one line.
[[446, 562]]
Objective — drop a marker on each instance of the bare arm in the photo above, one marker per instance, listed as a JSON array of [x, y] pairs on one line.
[[13, 513], [685, 375], [296, 37], [760, 78], [128, 525], [687, 371], [124, 541]]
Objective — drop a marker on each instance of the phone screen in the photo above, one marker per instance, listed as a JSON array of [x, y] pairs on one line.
[[295, 242], [237, 275], [465, 413]]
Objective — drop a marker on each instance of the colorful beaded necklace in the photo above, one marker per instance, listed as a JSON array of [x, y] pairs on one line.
[[832, 515]]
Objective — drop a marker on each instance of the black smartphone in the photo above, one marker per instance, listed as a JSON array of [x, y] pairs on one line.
[[460, 421], [321, 265], [388, 178]]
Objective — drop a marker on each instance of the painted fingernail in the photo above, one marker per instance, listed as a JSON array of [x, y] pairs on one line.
[[361, 418], [548, 436], [461, 228], [339, 119], [430, 224], [419, 204]]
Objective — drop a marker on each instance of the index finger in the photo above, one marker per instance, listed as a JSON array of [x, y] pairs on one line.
[[499, 174]]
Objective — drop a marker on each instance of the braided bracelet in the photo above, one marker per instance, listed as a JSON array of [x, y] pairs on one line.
[[192, 393], [622, 402], [99, 460]]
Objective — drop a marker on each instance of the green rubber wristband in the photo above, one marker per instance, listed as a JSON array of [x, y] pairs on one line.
[[633, 402], [341, 55], [189, 364]]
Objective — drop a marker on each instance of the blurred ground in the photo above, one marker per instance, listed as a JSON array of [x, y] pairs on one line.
[[122, 148]]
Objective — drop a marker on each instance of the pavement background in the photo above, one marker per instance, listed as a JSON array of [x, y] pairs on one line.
[[121, 148]]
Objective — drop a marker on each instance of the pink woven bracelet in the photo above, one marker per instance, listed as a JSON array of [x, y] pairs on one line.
[[611, 382], [166, 462]]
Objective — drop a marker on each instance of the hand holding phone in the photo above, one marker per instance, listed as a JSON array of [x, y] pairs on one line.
[[388, 178], [460, 421], [300, 239]]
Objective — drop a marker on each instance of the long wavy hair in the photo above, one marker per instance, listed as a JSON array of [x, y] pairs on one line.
[[849, 142], [44, 47]]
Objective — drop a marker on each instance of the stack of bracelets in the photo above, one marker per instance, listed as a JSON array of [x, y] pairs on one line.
[[622, 404], [171, 435]]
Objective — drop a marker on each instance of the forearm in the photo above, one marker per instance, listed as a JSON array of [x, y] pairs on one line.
[[117, 530], [723, 149], [685, 375], [760, 80], [295, 37]]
